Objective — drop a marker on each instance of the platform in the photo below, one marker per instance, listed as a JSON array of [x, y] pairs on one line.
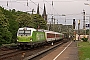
[[69, 52]]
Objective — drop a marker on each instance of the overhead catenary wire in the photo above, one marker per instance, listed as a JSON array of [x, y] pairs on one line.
[[27, 4], [53, 9], [8, 3], [57, 14], [18, 1], [56, 10], [52, 4], [37, 5]]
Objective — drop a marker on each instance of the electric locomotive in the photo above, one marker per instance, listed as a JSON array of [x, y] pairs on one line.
[[30, 37]]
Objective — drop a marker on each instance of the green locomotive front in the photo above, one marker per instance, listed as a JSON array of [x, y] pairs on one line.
[[28, 37]]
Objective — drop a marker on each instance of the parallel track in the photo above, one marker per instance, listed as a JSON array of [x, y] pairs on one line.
[[28, 54], [7, 55], [41, 52]]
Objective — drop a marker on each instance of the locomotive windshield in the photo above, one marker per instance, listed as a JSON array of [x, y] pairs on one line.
[[24, 32]]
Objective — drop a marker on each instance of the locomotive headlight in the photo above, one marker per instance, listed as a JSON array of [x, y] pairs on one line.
[[17, 40], [30, 39]]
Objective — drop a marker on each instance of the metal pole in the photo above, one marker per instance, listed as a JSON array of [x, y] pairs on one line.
[[78, 29], [52, 23], [89, 22], [84, 23], [89, 29], [65, 24], [83, 19], [57, 26], [65, 19], [52, 17]]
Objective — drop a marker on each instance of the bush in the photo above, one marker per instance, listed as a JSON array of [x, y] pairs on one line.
[[84, 39], [5, 36]]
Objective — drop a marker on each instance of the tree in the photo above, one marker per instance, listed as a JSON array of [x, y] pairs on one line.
[[13, 25], [5, 35], [11, 20], [87, 31], [24, 20], [39, 21], [34, 20]]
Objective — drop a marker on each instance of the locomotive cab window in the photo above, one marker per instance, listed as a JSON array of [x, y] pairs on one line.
[[21, 31], [24, 32], [28, 32]]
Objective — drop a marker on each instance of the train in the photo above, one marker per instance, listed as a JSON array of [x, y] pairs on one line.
[[30, 37]]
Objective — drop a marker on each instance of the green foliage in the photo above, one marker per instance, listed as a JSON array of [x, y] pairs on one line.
[[87, 31], [5, 35], [13, 25], [34, 20], [24, 20], [84, 50], [13, 28], [3, 21], [38, 21], [11, 20], [84, 39]]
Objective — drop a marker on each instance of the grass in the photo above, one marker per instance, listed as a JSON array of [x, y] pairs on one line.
[[84, 50]]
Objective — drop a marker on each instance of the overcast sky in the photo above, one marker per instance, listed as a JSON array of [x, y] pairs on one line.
[[70, 8]]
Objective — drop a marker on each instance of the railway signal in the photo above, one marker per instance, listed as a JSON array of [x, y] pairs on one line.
[[73, 23], [87, 25]]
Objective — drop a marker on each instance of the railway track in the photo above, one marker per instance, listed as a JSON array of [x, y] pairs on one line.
[[10, 54], [44, 51], [41, 52], [28, 54], [6, 52]]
